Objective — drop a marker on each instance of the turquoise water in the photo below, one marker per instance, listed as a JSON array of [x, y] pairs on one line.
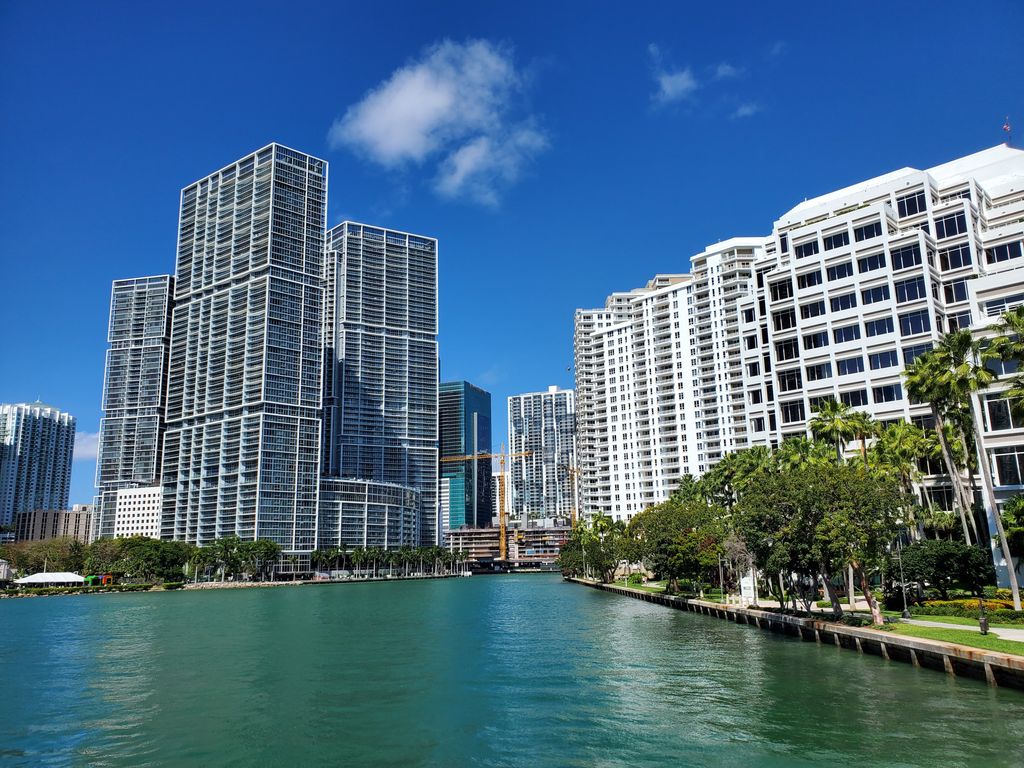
[[486, 671]]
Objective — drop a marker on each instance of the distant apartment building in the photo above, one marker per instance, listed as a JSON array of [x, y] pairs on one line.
[[242, 443], [497, 480], [464, 419], [542, 485], [37, 443], [134, 393], [40, 524], [381, 378]]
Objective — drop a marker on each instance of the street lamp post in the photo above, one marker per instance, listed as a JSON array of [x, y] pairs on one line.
[[903, 582]]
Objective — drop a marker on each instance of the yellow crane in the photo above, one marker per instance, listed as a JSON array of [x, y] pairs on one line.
[[502, 526]]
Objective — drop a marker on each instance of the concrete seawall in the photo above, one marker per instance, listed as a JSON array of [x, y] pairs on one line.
[[957, 660]]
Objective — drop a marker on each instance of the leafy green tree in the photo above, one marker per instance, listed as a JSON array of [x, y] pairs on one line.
[[1013, 523], [945, 564], [677, 540], [836, 423], [815, 520], [799, 451], [864, 428]]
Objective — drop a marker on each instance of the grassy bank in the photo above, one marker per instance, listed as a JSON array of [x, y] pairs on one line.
[[989, 642]]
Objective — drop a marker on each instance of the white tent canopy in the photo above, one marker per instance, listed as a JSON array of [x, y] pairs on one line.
[[60, 577]]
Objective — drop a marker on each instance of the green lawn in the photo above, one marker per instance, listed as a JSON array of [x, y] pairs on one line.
[[989, 642], [964, 620]]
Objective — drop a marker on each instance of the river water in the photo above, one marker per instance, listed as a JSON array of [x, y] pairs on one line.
[[486, 671]]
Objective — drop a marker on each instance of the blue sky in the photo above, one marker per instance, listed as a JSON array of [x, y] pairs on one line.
[[559, 151]]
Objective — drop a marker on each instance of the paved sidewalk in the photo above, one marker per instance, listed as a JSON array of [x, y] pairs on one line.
[[1002, 633]]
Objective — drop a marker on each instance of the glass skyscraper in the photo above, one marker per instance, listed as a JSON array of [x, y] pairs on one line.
[[134, 393], [37, 443], [381, 373], [242, 446], [465, 429]]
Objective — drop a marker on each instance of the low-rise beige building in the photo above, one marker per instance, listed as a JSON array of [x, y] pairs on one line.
[[42, 524]]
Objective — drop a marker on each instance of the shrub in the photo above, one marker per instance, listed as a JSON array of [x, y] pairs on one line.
[[174, 584], [635, 578]]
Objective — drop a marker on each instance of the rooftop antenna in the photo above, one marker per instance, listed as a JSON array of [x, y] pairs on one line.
[[1008, 129]]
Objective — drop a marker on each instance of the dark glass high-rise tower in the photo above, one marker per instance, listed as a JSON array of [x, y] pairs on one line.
[[465, 429]]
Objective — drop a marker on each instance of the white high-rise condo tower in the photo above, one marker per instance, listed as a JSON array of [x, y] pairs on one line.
[[543, 487], [36, 446]]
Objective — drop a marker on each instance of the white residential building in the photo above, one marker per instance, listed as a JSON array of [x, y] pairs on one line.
[[137, 512], [541, 484], [855, 284], [658, 382]]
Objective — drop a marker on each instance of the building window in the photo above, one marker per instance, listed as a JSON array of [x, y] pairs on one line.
[[755, 396], [948, 226], [846, 301], [955, 256], [806, 249], [839, 271], [878, 327], [915, 322], [867, 231], [955, 291], [753, 369], [910, 205], [910, 354], [906, 257], [816, 340], [787, 350], [819, 371], [871, 295], [959, 320], [757, 424], [748, 315], [1009, 463], [849, 365], [857, 397], [784, 320], [815, 402], [1000, 414], [807, 279], [751, 341], [790, 380], [792, 411], [909, 290], [1003, 252], [846, 333], [783, 243], [813, 309], [886, 359], [781, 290], [887, 393], [836, 240], [998, 306], [871, 262]]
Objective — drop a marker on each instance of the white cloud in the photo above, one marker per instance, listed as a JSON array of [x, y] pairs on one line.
[[86, 446], [747, 109], [725, 70], [673, 85], [455, 105], [777, 49]]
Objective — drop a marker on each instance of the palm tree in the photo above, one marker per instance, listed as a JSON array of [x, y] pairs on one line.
[[864, 427], [926, 383], [835, 423], [800, 451], [899, 448]]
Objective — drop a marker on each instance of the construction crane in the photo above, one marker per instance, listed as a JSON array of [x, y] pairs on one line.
[[502, 526]]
